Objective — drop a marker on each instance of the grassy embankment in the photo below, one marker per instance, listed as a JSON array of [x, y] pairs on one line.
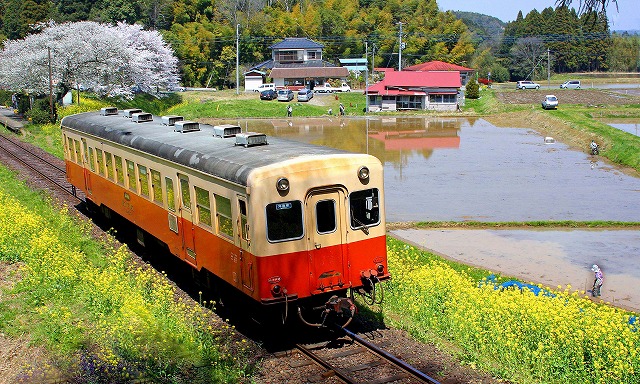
[[101, 316]]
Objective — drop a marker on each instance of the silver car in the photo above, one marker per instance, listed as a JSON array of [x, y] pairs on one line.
[[571, 84], [550, 102], [305, 94], [526, 84], [285, 95]]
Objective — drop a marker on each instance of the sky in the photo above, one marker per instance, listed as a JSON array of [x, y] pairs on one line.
[[625, 18]]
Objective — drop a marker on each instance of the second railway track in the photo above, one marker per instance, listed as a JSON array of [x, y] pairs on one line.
[[32, 159]]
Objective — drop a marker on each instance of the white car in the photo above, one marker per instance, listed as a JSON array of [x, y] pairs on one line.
[[550, 102], [526, 84], [575, 84]]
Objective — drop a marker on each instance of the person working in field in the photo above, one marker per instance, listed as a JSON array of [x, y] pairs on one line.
[[598, 280]]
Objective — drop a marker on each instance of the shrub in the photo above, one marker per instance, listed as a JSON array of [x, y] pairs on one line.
[[473, 90]]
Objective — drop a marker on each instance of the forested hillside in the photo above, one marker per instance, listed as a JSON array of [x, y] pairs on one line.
[[203, 33]]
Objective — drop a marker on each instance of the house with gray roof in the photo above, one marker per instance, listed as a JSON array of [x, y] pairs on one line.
[[296, 62]]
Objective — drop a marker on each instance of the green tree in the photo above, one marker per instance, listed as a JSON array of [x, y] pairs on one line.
[[473, 90]]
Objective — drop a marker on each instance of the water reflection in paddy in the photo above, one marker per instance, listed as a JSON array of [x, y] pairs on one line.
[[469, 169], [631, 126]]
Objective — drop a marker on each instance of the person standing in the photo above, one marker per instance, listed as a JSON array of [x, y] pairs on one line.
[[341, 109], [289, 110], [598, 280]]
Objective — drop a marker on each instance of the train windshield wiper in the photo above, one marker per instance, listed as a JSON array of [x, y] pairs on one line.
[[363, 226]]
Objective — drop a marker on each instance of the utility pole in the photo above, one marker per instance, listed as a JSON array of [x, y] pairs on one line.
[[50, 87], [237, 59], [400, 47], [366, 79], [548, 69]]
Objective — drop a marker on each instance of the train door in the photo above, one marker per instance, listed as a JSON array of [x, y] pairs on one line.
[[245, 245], [186, 221], [87, 165], [325, 213]]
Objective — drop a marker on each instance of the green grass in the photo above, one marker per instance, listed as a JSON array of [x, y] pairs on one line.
[[101, 316]]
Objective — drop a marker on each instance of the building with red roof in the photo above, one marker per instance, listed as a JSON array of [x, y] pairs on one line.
[[441, 66], [415, 90]]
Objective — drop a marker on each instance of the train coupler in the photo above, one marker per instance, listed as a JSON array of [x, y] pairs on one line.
[[336, 308]]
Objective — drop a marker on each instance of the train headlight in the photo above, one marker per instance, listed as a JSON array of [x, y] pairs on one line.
[[380, 268], [282, 184], [363, 173]]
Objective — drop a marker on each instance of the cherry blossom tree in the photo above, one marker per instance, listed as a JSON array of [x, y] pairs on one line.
[[109, 59]]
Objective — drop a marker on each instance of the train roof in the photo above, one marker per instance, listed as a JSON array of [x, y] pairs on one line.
[[200, 150]]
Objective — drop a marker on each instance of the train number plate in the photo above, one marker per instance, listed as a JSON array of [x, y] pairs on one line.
[[284, 206]]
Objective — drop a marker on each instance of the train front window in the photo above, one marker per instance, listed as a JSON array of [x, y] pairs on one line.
[[365, 208], [284, 221], [326, 216]]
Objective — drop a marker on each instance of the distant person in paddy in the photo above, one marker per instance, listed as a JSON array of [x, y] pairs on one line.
[[598, 280], [289, 110]]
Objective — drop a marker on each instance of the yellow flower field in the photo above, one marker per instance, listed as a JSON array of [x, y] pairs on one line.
[[104, 318], [560, 337]]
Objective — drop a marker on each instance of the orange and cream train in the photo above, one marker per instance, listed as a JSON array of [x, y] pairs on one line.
[[282, 222]]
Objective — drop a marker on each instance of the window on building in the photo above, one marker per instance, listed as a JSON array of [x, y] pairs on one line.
[[203, 206], [443, 99], [223, 216], [289, 56], [314, 55]]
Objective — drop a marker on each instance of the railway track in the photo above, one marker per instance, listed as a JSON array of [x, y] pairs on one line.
[[28, 158], [359, 361]]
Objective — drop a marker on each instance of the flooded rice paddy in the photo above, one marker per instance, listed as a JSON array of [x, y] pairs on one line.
[[468, 169]]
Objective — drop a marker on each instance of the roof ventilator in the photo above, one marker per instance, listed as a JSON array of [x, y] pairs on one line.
[[141, 117], [171, 119], [249, 139], [226, 130], [129, 112], [185, 126], [108, 111]]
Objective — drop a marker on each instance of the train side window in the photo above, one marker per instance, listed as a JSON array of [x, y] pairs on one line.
[[284, 221], [171, 196], [108, 161], [100, 161], [365, 210], [70, 150], [131, 176], [85, 151], [76, 148], [223, 216], [244, 222], [184, 192], [144, 180], [203, 205], [156, 186], [118, 169], [326, 216], [92, 160]]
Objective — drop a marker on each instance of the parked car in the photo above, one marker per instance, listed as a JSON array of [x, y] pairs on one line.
[[550, 102], [305, 94], [268, 94], [526, 84], [285, 95], [264, 87], [571, 84]]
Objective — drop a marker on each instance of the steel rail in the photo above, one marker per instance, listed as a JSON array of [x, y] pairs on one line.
[[392, 359], [35, 169]]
